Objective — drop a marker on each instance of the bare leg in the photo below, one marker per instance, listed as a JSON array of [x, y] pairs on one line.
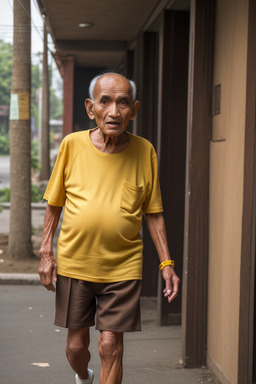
[[111, 354], [77, 352]]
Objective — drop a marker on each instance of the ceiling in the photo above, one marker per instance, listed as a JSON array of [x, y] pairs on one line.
[[116, 23]]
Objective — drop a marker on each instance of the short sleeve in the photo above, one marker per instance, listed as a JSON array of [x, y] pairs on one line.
[[55, 192], [153, 200]]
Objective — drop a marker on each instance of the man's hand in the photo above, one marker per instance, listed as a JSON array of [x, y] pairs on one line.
[[47, 270], [48, 267], [156, 226], [171, 283]]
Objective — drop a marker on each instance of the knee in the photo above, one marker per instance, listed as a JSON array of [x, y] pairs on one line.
[[76, 345], [110, 345]]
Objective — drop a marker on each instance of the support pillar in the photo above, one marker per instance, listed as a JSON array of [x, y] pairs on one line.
[[196, 233], [173, 119], [247, 306], [68, 96], [45, 127]]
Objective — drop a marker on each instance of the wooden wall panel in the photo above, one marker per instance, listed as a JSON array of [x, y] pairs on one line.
[[147, 77], [196, 243], [247, 316], [173, 145]]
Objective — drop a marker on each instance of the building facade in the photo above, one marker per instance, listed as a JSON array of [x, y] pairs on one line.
[[194, 63]]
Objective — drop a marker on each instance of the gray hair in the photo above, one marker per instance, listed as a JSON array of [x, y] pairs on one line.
[[96, 78]]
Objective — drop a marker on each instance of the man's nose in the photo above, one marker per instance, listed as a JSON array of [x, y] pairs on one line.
[[114, 110]]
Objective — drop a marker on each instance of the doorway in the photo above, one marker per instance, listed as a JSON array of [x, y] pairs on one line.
[[161, 72]]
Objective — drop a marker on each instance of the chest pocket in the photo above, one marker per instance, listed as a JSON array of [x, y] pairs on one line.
[[131, 197]]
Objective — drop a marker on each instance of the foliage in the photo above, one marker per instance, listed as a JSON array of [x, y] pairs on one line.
[[35, 78], [35, 85], [4, 144], [4, 141], [5, 72], [4, 195], [6, 78], [5, 150], [35, 164], [56, 106], [37, 193]]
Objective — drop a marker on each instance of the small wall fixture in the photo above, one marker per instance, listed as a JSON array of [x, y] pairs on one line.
[[85, 24], [217, 99]]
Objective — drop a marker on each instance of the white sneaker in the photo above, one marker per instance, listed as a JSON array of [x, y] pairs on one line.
[[86, 381]]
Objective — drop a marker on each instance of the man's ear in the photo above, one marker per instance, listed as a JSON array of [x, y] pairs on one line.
[[136, 106], [89, 108]]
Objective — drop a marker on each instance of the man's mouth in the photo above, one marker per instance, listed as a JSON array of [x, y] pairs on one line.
[[113, 123]]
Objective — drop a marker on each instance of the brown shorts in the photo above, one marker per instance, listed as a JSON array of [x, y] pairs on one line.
[[115, 306]]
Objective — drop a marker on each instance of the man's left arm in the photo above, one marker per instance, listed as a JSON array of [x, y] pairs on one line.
[[156, 225]]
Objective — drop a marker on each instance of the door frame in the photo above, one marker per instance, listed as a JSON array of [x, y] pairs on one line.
[[196, 228], [247, 272]]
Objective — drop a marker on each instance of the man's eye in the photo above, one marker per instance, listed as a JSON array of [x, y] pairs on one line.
[[104, 101], [124, 103]]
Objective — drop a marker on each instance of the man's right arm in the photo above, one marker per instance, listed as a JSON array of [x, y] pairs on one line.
[[48, 267]]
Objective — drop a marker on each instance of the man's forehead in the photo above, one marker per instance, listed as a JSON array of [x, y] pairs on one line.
[[112, 84]]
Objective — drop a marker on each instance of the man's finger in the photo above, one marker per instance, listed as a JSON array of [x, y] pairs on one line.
[[54, 274], [46, 280], [167, 292], [168, 287], [175, 290], [172, 296], [49, 287]]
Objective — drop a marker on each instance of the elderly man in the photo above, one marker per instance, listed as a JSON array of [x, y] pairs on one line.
[[106, 179]]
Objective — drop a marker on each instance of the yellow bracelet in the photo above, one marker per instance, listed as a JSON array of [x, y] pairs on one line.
[[167, 262]]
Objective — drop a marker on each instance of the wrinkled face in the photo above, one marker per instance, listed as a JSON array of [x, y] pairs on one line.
[[112, 107]]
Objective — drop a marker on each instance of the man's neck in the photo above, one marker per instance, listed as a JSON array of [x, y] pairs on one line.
[[109, 144]]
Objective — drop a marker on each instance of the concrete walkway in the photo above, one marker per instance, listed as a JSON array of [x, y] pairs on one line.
[[32, 349]]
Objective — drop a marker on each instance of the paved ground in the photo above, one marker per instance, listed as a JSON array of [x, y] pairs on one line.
[[29, 341]]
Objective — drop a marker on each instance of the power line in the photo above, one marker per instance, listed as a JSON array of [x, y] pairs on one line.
[[9, 26], [10, 5], [29, 16], [33, 25], [36, 7]]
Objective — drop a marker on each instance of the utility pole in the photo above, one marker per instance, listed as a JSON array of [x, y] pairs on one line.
[[20, 246], [45, 129]]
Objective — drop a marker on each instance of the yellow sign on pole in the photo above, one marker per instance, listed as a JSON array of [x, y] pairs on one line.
[[20, 107], [24, 112]]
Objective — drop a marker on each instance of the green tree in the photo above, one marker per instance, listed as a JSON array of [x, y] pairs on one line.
[[56, 106], [6, 78], [36, 82], [5, 72]]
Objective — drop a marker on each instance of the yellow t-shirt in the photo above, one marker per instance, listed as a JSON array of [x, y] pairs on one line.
[[104, 196]]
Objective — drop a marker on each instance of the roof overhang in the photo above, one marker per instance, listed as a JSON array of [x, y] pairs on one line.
[[115, 25]]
